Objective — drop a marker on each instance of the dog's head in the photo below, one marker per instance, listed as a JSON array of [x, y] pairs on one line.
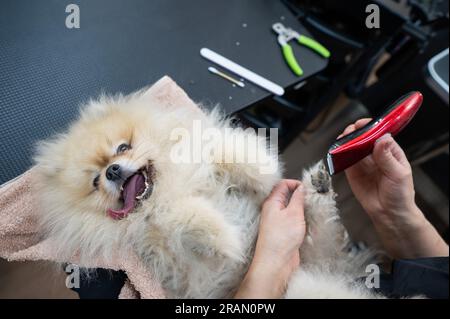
[[104, 163]]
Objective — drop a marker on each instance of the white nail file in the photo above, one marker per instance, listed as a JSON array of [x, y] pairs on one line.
[[241, 71]]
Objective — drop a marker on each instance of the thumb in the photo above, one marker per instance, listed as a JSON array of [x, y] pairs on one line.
[[390, 158], [279, 196], [296, 201]]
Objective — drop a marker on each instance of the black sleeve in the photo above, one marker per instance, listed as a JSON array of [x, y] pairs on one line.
[[427, 277], [417, 277], [101, 284]]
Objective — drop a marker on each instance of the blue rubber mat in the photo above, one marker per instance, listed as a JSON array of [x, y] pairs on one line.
[[48, 70]]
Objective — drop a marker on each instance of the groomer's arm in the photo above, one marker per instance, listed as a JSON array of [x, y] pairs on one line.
[[281, 233], [383, 184]]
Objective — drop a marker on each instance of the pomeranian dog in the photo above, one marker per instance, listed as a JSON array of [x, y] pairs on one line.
[[111, 181]]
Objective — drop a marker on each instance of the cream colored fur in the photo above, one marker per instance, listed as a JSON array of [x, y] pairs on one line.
[[197, 230]]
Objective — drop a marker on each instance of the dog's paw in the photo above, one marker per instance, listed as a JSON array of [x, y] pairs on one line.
[[320, 179]]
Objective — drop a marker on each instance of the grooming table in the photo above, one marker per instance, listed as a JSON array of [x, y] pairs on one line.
[[48, 70]]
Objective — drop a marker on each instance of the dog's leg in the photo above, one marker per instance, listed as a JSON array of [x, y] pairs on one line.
[[245, 160], [326, 236], [198, 227]]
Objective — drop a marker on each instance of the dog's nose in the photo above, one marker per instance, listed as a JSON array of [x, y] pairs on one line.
[[113, 172]]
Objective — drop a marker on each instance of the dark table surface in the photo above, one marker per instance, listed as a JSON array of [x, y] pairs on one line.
[[47, 70]]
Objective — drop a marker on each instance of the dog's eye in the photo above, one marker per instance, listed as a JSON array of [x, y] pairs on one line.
[[96, 181], [123, 148]]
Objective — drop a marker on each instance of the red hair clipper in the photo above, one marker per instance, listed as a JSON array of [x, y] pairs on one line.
[[353, 147]]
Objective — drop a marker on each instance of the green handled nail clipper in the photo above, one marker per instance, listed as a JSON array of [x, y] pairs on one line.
[[285, 35]]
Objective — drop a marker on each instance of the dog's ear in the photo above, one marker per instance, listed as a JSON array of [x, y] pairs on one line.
[[168, 95], [49, 156]]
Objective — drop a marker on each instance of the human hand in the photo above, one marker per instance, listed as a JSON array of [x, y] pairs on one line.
[[383, 184], [281, 233]]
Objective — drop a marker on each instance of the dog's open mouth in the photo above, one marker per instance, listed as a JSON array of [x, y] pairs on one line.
[[137, 187]]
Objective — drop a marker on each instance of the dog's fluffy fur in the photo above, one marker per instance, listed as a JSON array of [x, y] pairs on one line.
[[197, 230]]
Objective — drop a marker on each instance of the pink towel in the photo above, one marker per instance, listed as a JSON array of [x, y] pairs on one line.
[[19, 236]]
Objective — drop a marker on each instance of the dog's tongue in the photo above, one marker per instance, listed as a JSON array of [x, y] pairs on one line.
[[134, 186]]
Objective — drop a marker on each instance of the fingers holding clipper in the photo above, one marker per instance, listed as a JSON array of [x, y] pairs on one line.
[[362, 122], [349, 129], [390, 158], [356, 126]]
